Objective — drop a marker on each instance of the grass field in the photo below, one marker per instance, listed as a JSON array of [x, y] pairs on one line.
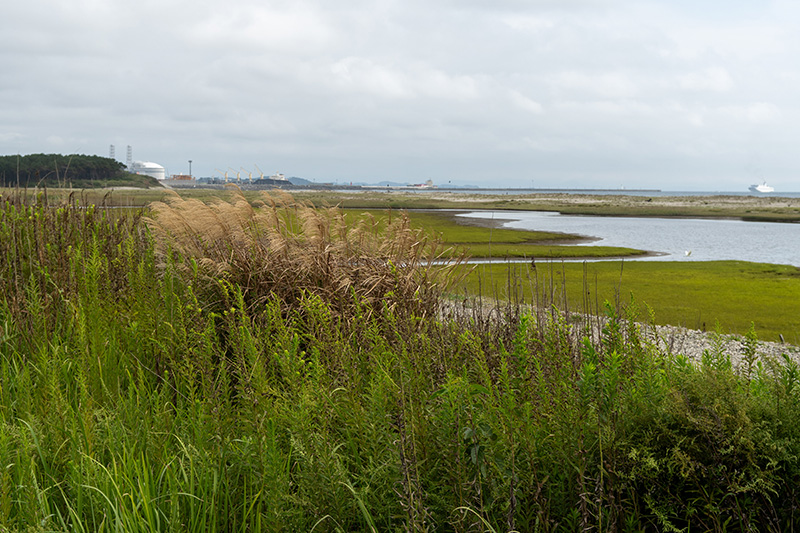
[[696, 295], [215, 367]]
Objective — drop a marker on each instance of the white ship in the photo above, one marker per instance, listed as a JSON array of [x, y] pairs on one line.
[[763, 187]]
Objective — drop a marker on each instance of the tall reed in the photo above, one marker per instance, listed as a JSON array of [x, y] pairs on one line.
[[284, 248]]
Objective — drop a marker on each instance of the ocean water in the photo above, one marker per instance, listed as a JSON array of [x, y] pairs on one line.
[[610, 192], [622, 192], [674, 239]]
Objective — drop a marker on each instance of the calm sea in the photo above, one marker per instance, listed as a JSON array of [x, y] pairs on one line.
[[677, 239], [624, 192]]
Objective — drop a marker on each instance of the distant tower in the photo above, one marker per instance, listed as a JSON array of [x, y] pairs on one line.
[[112, 153], [129, 161]]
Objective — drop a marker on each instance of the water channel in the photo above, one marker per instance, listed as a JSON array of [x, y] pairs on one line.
[[675, 239]]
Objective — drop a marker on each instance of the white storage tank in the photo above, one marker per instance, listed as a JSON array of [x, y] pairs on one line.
[[149, 169]]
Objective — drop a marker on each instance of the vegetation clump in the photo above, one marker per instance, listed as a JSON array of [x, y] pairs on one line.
[[158, 375], [279, 248]]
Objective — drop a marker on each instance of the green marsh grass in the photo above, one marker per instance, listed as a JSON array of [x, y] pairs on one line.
[[153, 378], [696, 295], [482, 240]]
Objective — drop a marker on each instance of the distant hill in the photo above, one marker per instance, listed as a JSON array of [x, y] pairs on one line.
[[299, 181], [79, 171]]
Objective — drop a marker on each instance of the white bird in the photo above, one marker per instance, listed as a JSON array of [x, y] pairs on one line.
[[688, 253]]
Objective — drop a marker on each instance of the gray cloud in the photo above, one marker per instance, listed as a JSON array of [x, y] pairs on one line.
[[579, 93]]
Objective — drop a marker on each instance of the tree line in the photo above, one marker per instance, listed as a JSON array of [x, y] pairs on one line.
[[53, 169]]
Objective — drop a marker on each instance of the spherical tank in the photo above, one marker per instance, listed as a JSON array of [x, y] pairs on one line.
[[149, 169]]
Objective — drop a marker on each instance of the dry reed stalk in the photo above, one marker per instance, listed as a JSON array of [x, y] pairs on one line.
[[285, 248]]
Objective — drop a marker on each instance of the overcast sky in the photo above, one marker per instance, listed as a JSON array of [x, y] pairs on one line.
[[669, 94]]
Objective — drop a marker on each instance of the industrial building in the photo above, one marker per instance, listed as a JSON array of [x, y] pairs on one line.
[[147, 168]]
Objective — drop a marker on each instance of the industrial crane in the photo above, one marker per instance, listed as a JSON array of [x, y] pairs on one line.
[[224, 174], [259, 171]]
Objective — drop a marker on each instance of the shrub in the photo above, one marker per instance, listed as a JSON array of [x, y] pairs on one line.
[[283, 248]]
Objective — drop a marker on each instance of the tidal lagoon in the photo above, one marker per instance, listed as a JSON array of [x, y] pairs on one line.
[[671, 239]]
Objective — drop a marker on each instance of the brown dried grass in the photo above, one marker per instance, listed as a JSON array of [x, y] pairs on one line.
[[280, 248]]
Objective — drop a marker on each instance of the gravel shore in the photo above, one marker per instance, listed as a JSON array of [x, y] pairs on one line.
[[693, 343], [672, 339]]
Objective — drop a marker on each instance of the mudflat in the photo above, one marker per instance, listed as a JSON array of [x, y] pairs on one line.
[[764, 208]]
